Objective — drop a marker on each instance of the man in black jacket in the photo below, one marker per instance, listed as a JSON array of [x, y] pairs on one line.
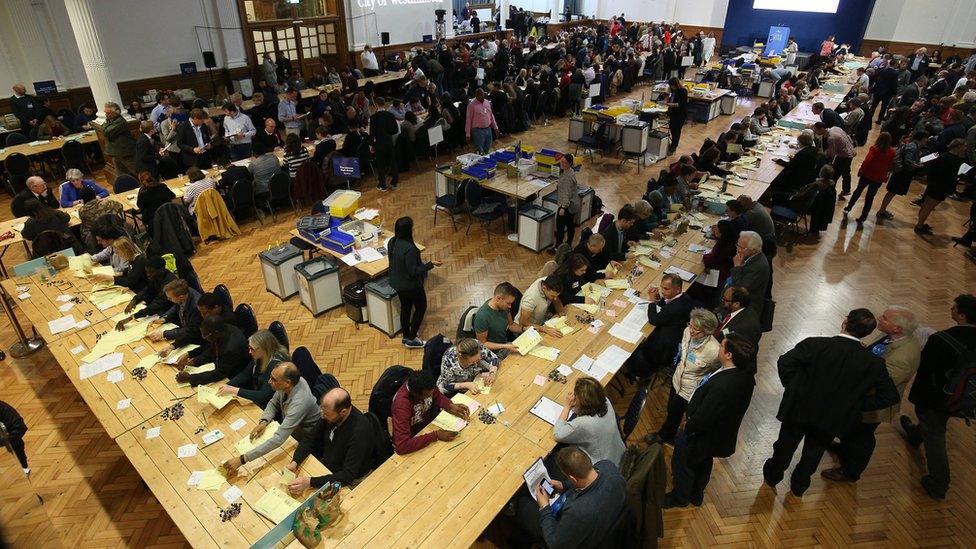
[[738, 318], [383, 128], [592, 250], [15, 427], [225, 344], [939, 356], [884, 90], [147, 149], [344, 441], [668, 311], [829, 117], [25, 108], [615, 235], [828, 382], [714, 415], [153, 295], [184, 314], [193, 138], [799, 170], [36, 189]]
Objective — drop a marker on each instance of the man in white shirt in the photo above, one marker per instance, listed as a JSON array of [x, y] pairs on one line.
[[239, 129], [161, 109], [534, 306], [862, 84], [370, 66]]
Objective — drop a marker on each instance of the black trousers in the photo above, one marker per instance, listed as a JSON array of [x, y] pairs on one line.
[[676, 411], [565, 225], [675, 124], [815, 443], [856, 448], [17, 443], [872, 188], [413, 305], [386, 164], [842, 170], [883, 101], [689, 473]]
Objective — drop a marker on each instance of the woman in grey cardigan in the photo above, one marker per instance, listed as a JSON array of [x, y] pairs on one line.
[[588, 421], [567, 194]]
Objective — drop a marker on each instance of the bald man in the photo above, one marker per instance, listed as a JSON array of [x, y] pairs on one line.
[[294, 401], [36, 189], [25, 108], [344, 441]]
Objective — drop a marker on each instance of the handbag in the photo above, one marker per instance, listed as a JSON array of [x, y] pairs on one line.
[[769, 311]]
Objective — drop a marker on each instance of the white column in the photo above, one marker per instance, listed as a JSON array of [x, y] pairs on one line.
[[601, 9], [504, 7], [98, 69]]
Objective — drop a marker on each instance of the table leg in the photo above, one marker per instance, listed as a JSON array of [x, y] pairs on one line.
[[514, 236], [25, 346]]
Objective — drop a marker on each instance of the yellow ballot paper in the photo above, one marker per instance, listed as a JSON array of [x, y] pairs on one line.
[[209, 395], [617, 283], [648, 262], [286, 477], [245, 445], [123, 315], [148, 362], [449, 422], [80, 263], [113, 338], [529, 339], [212, 479], [208, 367], [464, 399], [594, 291], [610, 270], [641, 249], [548, 353], [559, 323], [174, 356], [480, 384], [106, 270], [276, 505], [588, 307]]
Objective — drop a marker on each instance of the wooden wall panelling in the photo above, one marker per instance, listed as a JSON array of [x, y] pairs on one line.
[[906, 48], [407, 46]]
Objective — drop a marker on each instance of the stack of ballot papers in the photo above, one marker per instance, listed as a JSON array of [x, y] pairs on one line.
[[209, 395], [449, 422], [62, 324], [559, 323], [80, 265], [245, 445], [208, 367], [648, 262], [594, 291], [212, 479], [109, 296], [626, 333], [176, 354], [103, 364], [611, 359], [547, 410], [464, 399], [527, 341], [588, 307], [112, 339], [479, 382], [617, 283], [548, 353], [276, 505]]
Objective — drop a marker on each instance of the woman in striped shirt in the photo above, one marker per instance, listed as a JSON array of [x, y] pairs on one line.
[[198, 183], [295, 154]]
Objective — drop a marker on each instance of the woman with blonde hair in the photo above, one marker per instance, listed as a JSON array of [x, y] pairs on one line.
[[463, 364], [697, 358], [593, 425], [133, 275], [252, 382]]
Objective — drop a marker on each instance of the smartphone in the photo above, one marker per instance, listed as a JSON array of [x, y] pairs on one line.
[[548, 488]]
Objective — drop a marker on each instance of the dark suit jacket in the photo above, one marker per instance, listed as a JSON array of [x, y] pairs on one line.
[[591, 271], [610, 252], [187, 141], [831, 118], [147, 154], [753, 275], [909, 95], [715, 412], [799, 171], [937, 89], [829, 381], [938, 357], [669, 323], [21, 198], [745, 323], [187, 320], [886, 82], [25, 109], [230, 357]]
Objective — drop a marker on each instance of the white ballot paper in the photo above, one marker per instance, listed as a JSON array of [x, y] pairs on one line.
[[547, 410], [535, 475]]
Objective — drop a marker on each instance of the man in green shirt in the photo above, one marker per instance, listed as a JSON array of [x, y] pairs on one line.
[[493, 321]]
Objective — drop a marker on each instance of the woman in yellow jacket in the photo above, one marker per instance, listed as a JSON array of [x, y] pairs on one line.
[[697, 357]]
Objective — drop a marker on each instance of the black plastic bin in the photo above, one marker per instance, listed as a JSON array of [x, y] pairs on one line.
[[354, 298]]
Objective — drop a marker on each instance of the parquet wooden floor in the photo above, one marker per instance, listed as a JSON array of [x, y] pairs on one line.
[[93, 497]]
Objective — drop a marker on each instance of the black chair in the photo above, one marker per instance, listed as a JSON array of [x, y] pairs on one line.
[[16, 138], [124, 183], [481, 209], [466, 323], [279, 192], [593, 141], [786, 218], [452, 203], [306, 365], [246, 320], [242, 198], [168, 168], [434, 351], [224, 294], [277, 329], [323, 384], [18, 168], [628, 422], [386, 387], [73, 154], [199, 103]]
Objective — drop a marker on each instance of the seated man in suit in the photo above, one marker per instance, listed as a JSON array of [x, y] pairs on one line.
[[800, 170], [750, 269], [592, 250], [828, 382], [224, 345], [615, 235], [668, 311], [713, 417], [183, 313], [36, 189], [343, 440], [193, 138]]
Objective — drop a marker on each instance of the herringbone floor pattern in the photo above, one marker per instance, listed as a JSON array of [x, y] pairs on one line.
[[93, 497]]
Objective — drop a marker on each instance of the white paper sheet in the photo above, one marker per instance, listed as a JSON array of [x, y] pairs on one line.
[[625, 333], [685, 275], [187, 450], [708, 278], [104, 364], [62, 324], [153, 432], [547, 410], [611, 359], [238, 424], [534, 477]]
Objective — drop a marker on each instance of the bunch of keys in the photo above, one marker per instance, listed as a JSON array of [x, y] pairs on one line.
[[230, 512], [486, 417], [174, 412], [139, 373], [555, 375]]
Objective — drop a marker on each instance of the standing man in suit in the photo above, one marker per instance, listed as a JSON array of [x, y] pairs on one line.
[[119, 143], [669, 312], [677, 109], [900, 350], [615, 235], [912, 92], [939, 355], [193, 138], [714, 415], [919, 63], [828, 382], [384, 128], [885, 88], [799, 170], [829, 117], [36, 189], [750, 270], [25, 108], [147, 149], [738, 319]]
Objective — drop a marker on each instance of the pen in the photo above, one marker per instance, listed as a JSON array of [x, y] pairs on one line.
[[455, 446]]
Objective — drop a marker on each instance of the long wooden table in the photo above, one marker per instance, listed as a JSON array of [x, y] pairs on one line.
[[41, 147], [195, 512]]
